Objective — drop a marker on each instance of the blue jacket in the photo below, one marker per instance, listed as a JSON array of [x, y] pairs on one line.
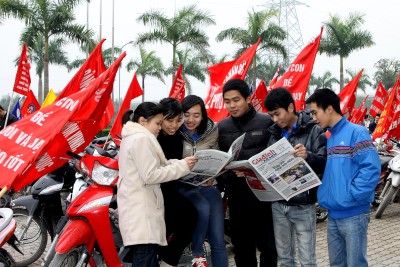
[[351, 173]]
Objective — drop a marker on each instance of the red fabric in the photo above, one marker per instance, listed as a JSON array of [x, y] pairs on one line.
[[258, 97], [298, 74], [275, 78], [388, 112], [394, 129], [178, 86], [35, 145], [220, 74], [348, 95], [359, 113], [23, 78], [379, 100], [30, 104], [134, 91]]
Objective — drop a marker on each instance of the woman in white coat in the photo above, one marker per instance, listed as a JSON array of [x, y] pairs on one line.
[[142, 167]]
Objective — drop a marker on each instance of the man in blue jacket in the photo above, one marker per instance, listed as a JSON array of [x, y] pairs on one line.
[[351, 174]]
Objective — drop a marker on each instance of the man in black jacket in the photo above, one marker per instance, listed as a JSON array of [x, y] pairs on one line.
[[250, 219], [3, 114], [298, 214]]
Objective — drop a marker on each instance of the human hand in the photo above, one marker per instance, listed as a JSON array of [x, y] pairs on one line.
[[300, 151], [191, 161], [239, 173], [208, 183]]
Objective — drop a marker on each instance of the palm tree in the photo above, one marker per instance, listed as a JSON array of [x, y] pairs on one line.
[[185, 27], [343, 37], [266, 69], [148, 65], [362, 83], [56, 56], [50, 19], [386, 71], [12, 8], [258, 25], [324, 81], [107, 57]]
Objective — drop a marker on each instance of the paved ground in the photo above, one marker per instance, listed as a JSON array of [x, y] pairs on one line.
[[383, 241]]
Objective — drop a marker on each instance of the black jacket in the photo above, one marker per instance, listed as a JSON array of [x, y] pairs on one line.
[[313, 138], [255, 125]]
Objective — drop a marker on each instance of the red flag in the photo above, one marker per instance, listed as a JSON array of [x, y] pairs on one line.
[[348, 95], [386, 117], [178, 86], [134, 91], [275, 78], [379, 100], [35, 145], [298, 74], [23, 78], [257, 99], [359, 113], [394, 129], [237, 70], [30, 104]]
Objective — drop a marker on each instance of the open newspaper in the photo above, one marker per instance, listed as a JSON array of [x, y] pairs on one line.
[[275, 174], [211, 163]]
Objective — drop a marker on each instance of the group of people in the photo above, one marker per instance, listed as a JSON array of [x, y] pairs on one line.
[[160, 216], [371, 125]]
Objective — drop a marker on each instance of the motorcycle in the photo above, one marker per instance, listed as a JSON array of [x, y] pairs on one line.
[[90, 229], [390, 192], [7, 228]]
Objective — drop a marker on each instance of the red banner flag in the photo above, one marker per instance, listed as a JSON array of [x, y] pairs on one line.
[[387, 114], [348, 95], [237, 70], [379, 100], [359, 113], [394, 129], [23, 77], [34, 146], [298, 74], [30, 104], [257, 99], [275, 78], [178, 86], [134, 91]]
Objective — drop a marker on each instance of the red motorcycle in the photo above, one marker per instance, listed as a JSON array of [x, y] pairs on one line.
[[90, 232]]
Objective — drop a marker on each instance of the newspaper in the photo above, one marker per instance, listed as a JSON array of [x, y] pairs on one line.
[[275, 173], [211, 163]]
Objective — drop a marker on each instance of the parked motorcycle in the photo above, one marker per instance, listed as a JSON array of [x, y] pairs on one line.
[[7, 228], [390, 192]]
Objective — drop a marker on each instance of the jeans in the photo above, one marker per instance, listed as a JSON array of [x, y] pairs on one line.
[[347, 241], [144, 255], [290, 222], [210, 223]]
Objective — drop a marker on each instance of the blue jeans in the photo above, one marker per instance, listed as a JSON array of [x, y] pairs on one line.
[[290, 222], [144, 255], [210, 222], [347, 241]]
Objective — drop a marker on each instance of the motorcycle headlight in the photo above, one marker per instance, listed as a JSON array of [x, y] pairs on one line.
[[102, 174]]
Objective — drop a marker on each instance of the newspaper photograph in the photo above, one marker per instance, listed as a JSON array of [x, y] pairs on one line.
[[287, 174], [211, 163]]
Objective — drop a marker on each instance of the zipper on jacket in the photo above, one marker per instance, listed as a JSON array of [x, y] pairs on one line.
[[194, 148]]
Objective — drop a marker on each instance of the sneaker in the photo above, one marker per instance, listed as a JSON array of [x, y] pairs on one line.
[[199, 261]]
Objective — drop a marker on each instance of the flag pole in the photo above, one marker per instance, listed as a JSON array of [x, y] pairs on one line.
[[8, 110]]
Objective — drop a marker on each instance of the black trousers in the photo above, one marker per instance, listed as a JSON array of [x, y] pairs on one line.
[[144, 255]]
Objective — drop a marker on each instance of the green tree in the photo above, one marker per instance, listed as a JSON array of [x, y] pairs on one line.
[[266, 69], [36, 55], [324, 81], [185, 27], [258, 25], [387, 71], [12, 8], [362, 83], [50, 19], [148, 65], [344, 37]]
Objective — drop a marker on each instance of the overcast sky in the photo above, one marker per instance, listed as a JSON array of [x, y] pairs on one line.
[[381, 19]]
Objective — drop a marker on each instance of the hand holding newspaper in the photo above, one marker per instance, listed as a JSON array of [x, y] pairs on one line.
[[211, 163], [275, 173]]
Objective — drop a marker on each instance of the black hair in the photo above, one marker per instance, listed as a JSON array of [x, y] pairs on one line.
[[324, 98], [378, 115], [171, 107], [366, 117], [192, 100], [279, 98], [146, 110], [239, 85]]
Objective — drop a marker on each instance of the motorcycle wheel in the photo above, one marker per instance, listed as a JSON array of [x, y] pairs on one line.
[[70, 258], [33, 244], [6, 259], [385, 202]]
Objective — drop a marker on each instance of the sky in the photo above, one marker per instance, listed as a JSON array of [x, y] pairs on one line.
[[380, 19]]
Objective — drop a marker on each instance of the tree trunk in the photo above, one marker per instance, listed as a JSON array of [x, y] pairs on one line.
[[254, 73], [174, 68], [40, 89], [341, 74], [46, 66], [143, 88]]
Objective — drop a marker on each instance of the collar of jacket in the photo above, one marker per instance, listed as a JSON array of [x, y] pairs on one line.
[[245, 118], [339, 125], [304, 121], [187, 137]]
